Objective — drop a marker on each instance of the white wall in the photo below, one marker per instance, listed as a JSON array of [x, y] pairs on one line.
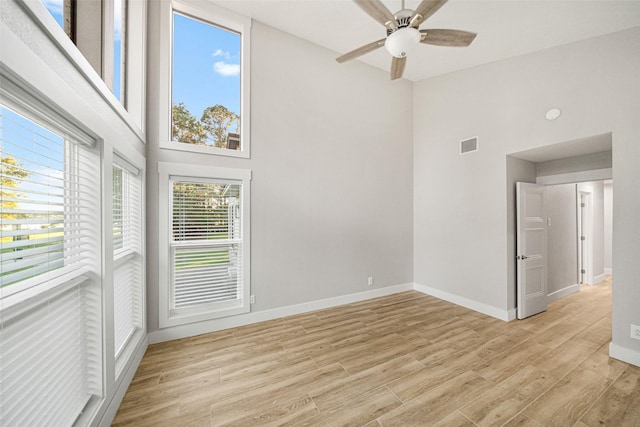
[[608, 227], [459, 234], [566, 165], [332, 176], [562, 238]]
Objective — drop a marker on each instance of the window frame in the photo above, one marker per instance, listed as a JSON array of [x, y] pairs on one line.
[[130, 252], [133, 110], [216, 16], [53, 285], [24, 104], [167, 316]]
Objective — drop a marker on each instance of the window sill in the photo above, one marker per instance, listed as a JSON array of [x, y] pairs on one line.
[[181, 146]]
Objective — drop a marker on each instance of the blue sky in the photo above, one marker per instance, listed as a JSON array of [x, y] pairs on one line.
[[206, 66]]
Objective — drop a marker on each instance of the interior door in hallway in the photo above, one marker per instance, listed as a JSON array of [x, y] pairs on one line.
[[531, 248]]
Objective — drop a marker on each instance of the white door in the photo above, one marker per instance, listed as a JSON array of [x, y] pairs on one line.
[[531, 244]]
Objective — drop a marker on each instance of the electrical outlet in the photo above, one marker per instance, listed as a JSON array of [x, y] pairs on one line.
[[253, 299], [370, 281], [635, 332]]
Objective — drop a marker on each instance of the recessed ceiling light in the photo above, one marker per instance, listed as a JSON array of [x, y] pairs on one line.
[[553, 114]]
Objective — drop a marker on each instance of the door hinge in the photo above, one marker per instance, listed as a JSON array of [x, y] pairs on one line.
[[583, 271], [582, 205], [583, 238]]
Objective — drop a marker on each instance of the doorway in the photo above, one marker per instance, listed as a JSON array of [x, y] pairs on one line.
[[560, 236], [578, 161]]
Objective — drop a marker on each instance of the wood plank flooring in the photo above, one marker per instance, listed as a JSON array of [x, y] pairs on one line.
[[402, 360]]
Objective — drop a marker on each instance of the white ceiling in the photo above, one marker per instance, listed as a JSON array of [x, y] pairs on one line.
[[506, 28]]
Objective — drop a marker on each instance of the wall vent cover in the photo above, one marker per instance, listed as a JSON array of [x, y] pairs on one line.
[[469, 145]]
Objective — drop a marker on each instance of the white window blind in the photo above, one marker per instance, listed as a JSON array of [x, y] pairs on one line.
[[50, 341], [206, 242], [127, 245]]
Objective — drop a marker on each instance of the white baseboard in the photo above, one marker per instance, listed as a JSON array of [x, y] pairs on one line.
[[564, 292], [624, 354], [489, 310], [599, 278], [183, 331], [608, 271], [112, 408]]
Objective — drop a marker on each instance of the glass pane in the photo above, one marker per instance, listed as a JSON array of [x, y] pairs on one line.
[[119, 19], [118, 199], [32, 194], [205, 84], [56, 9], [205, 211]]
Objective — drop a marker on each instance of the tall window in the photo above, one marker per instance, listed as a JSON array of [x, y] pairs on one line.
[[127, 253], [207, 245], [208, 82], [50, 342]]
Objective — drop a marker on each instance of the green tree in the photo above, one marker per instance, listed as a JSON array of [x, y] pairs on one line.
[[217, 121], [10, 169], [185, 127]]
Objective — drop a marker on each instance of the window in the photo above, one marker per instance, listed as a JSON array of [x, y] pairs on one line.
[[99, 30], [206, 253], [127, 253], [208, 83], [50, 342]]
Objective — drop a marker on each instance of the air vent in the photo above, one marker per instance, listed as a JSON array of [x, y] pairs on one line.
[[469, 145]]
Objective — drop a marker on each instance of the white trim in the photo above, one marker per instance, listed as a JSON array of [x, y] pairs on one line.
[[564, 292], [573, 177], [216, 15], [625, 354], [168, 317], [599, 278], [489, 310], [184, 331], [585, 228], [125, 380], [608, 271]]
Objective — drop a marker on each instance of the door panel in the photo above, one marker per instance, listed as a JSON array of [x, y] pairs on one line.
[[531, 260]]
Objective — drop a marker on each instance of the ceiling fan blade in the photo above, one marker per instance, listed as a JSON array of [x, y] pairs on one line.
[[453, 38], [397, 67], [425, 10], [379, 12], [361, 51]]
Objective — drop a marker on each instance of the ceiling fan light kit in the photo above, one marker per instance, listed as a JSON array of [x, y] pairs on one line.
[[402, 41], [403, 34]]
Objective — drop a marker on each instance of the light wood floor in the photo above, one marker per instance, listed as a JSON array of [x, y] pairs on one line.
[[402, 360]]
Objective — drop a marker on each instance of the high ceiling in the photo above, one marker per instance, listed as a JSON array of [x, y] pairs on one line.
[[506, 28]]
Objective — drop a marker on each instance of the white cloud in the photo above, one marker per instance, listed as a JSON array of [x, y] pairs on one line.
[[222, 53], [54, 6], [226, 70]]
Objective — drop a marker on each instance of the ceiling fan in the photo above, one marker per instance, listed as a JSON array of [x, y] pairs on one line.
[[403, 33]]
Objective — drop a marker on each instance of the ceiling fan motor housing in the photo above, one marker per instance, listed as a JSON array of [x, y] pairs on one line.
[[403, 18], [400, 41]]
